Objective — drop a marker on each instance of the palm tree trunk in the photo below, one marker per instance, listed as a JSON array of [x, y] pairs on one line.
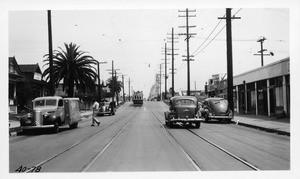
[[70, 90], [117, 98]]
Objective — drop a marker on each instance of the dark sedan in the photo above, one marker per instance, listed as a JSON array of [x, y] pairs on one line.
[[216, 108]]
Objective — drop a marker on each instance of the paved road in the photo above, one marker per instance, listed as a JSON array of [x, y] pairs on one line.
[[136, 139]]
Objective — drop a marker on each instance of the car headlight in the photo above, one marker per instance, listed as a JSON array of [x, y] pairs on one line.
[[29, 115], [49, 113]]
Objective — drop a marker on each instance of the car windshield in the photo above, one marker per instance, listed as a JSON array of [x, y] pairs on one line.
[[185, 102], [49, 102]]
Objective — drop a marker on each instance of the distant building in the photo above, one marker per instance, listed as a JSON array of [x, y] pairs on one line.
[[261, 91]]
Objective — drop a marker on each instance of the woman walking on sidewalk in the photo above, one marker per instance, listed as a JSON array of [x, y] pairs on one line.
[[95, 107]]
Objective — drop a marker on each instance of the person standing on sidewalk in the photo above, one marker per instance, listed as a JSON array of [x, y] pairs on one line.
[[95, 108]]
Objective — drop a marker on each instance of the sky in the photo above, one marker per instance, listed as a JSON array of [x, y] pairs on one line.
[[135, 38]]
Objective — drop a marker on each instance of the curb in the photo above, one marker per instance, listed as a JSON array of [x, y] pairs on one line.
[[263, 128], [14, 131]]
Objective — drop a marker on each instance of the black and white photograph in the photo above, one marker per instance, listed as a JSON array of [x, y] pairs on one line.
[[141, 89]]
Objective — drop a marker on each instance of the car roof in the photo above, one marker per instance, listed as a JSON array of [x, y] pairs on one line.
[[47, 97], [208, 99], [183, 97]]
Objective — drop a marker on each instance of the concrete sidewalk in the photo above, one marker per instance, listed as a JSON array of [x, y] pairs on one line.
[[269, 124]]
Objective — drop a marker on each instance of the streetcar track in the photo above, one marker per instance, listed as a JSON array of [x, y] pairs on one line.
[[193, 162], [76, 144], [89, 164], [245, 162]]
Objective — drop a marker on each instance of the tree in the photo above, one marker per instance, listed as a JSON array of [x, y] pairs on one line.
[[115, 86], [74, 67]]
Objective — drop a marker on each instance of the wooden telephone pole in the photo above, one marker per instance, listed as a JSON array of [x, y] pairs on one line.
[[188, 36], [262, 50], [51, 81], [229, 57], [173, 90]]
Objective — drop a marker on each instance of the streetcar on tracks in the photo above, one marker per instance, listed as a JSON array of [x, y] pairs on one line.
[[183, 109], [137, 98], [52, 112]]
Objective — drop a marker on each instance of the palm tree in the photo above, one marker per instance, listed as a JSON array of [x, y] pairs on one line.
[[74, 67], [115, 86]]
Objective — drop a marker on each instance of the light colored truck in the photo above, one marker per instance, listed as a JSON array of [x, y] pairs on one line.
[[52, 112]]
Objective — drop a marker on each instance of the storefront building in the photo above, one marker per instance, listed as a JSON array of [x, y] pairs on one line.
[[264, 90], [261, 91]]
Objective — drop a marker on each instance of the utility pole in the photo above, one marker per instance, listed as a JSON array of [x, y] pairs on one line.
[[129, 90], [99, 83], [112, 79], [160, 82], [173, 89], [123, 87], [51, 82], [262, 50], [166, 75], [229, 58], [188, 36]]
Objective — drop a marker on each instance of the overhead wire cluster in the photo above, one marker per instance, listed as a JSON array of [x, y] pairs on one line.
[[198, 51]]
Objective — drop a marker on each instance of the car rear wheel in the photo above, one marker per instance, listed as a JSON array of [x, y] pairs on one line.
[[74, 125], [167, 123], [197, 124], [206, 118], [171, 124]]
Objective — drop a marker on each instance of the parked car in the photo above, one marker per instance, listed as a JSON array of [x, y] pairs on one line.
[[216, 108], [183, 109], [52, 112], [106, 108]]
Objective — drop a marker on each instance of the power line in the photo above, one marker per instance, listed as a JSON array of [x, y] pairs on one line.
[[209, 35], [216, 34]]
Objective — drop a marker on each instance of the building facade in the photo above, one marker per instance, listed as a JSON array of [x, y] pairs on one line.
[[25, 84], [261, 91]]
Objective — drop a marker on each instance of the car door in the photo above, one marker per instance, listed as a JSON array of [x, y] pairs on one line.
[[60, 110]]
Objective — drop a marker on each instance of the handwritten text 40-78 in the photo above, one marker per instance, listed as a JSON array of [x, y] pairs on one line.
[[29, 169]]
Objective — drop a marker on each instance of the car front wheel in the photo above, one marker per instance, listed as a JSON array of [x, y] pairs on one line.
[[56, 127]]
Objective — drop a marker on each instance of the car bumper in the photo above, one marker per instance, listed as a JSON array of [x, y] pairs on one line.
[[37, 127], [220, 117], [186, 120]]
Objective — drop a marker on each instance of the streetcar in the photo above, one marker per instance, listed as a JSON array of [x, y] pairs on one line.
[[137, 98]]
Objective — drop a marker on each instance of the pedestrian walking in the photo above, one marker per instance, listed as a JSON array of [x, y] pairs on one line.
[[95, 108]]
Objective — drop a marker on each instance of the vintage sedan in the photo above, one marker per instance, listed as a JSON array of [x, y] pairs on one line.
[[106, 108], [216, 108], [183, 109]]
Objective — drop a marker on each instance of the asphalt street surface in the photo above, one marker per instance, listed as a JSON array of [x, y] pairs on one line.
[[137, 139]]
